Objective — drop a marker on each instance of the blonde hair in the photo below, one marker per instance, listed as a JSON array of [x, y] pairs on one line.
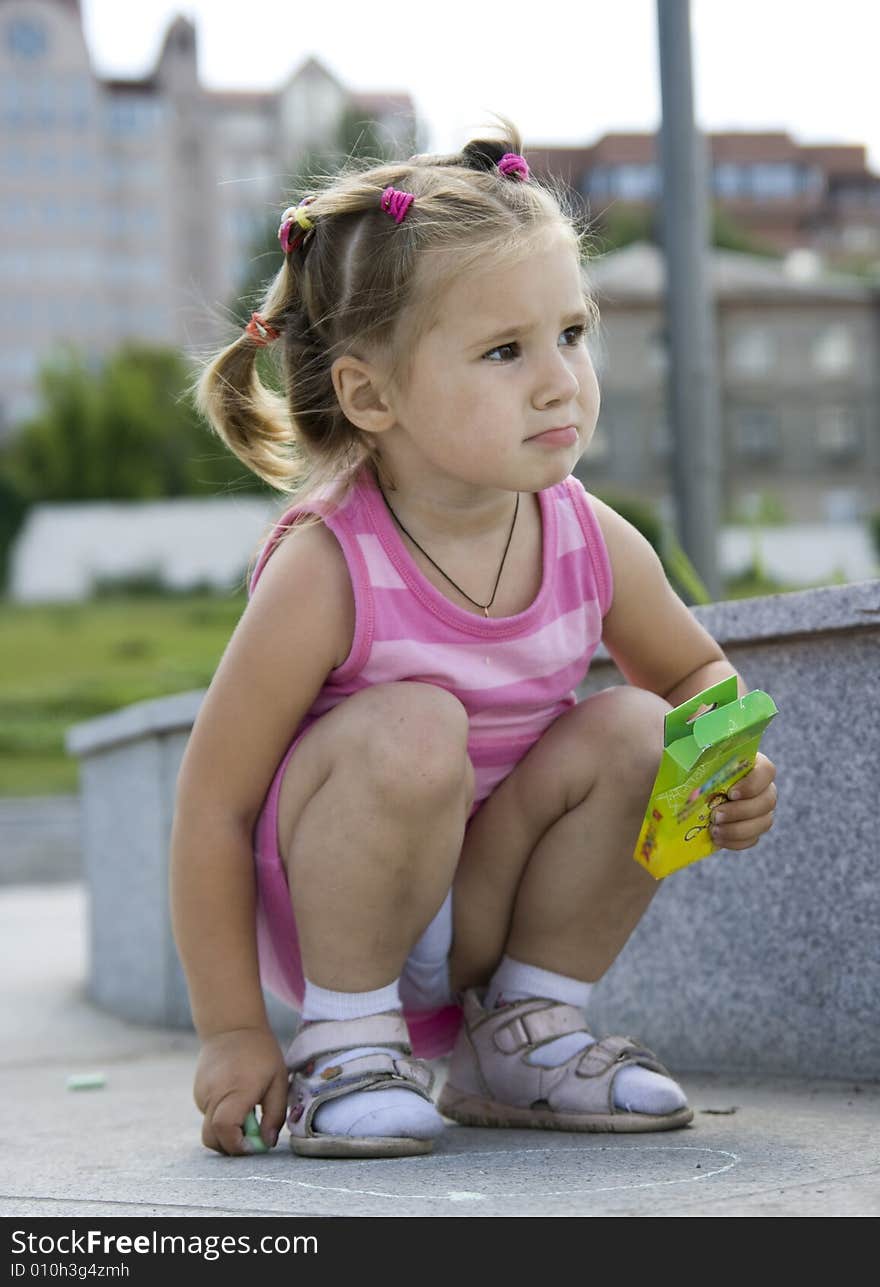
[[361, 283]]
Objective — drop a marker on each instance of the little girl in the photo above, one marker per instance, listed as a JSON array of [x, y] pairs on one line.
[[392, 811]]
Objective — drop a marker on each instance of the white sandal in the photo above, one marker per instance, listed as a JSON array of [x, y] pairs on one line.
[[318, 1040]]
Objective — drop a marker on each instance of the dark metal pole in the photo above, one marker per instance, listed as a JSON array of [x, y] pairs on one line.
[[694, 410]]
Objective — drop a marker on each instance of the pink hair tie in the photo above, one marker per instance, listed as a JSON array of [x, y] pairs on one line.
[[396, 203], [513, 163], [294, 215]]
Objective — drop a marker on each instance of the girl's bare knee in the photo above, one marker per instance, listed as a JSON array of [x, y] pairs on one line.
[[411, 739], [627, 724], [634, 722]]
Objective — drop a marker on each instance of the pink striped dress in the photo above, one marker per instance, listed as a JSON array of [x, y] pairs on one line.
[[514, 675]]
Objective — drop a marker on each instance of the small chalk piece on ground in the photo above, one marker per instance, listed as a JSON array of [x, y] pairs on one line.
[[252, 1133], [86, 1081]]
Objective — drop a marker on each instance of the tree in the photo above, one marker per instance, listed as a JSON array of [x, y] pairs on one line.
[[128, 431]]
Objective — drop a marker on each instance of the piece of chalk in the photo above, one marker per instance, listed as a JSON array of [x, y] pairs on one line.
[[86, 1081], [252, 1133]]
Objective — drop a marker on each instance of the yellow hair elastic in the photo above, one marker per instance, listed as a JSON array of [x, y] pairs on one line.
[[292, 215]]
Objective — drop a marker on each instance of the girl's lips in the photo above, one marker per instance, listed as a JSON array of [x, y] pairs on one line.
[[565, 437]]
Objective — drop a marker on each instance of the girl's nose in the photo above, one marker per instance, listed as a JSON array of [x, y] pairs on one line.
[[556, 381]]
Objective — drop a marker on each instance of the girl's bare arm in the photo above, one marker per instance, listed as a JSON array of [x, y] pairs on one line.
[[659, 645], [297, 627], [653, 638]]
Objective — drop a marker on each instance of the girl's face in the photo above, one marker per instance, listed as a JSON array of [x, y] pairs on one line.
[[505, 363]]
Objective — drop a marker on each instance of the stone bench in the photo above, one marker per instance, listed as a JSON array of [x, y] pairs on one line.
[[765, 960]]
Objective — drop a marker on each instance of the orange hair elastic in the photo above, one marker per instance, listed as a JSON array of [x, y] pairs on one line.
[[260, 330]]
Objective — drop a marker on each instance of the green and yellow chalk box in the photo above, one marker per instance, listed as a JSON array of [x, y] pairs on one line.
[[702, 758]]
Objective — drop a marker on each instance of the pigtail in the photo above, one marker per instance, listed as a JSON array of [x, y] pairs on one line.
[[252, 420]]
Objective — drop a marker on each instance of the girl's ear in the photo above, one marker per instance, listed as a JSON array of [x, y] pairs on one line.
[[360, 389]]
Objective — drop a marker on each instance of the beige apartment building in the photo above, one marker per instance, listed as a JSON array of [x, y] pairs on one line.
[[129, 208], [799, 385]]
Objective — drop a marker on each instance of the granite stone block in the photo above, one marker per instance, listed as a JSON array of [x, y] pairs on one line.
[[766, 960]]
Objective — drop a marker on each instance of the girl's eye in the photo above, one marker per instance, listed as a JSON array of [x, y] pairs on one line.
[[501, 348], [575, 332]]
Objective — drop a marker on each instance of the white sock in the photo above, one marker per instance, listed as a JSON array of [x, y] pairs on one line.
[[322, 1003], [424, 984], [636, 1090], [397, 1111]]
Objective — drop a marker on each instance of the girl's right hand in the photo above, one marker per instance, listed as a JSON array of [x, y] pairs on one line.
[[236, 1071]]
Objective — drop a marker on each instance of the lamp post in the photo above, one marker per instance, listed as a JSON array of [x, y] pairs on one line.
[[693, 399]]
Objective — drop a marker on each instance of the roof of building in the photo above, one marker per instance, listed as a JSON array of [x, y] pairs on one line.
[[637, 273], [146, 85], [381, 102], [756, 146], [242, 97], [312, 67]]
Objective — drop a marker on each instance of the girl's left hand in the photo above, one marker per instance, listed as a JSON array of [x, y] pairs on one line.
[[740, 822]]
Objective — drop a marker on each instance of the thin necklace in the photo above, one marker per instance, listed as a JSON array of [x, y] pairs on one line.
[[485, 606]]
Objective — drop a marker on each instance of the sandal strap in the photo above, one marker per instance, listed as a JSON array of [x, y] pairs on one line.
[[375, 1068], [538, 1025], [602, 1055], [377, 1071], [332, 1036]]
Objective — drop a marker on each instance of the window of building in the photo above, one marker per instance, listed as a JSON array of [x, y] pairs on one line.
[[17, 309], [16, 211], [80, 161], [45, 93], [246, 131], [78, 265], [635, 182], [15, 161], [629, 182], [592, 183], [842, 505], [730, 180], [764, 180], [774, 179], [127, 114], [755, 432], [20, 364], [838, 431], [16, 263], [833, 351], [26, 38], [751, 351]]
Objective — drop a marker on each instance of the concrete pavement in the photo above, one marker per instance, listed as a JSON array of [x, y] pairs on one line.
[[758, 1147]]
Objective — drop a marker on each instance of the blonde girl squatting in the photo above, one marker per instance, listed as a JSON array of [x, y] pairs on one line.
[[392, 811]]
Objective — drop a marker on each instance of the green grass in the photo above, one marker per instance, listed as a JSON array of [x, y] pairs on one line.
[[65, 663]]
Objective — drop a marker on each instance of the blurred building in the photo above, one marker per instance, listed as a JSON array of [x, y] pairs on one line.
[[129, 208], [786, 195], [799, 382]]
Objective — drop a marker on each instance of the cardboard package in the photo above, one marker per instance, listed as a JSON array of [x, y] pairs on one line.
[[702, 758]]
